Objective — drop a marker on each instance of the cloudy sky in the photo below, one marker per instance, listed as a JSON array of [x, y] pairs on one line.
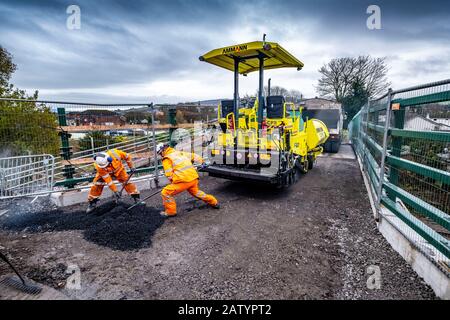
[[130, 51]]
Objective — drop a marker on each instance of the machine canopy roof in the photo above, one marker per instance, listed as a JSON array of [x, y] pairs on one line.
[[275, 56]]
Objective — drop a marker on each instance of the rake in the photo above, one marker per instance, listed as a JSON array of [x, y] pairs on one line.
[[117, 202], [19, 283]]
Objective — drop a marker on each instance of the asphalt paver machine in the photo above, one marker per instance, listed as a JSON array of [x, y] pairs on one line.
[[264, 139]]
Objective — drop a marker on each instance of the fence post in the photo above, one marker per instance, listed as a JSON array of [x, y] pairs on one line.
[[66, 152], [359, 146], [134, 140], [155, 155], [173, 124], [365, 126], [399, 123], [92, 146], [384, 152]]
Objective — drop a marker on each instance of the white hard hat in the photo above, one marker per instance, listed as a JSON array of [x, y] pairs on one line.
[[102, 159], [160, 147]]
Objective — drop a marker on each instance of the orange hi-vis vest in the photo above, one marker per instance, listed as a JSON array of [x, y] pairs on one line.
[[178, 165], [115, 167]]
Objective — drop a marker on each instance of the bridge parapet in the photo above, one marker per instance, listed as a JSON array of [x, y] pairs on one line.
[[403, 143]]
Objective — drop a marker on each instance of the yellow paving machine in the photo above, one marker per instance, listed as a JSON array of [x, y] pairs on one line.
[[263, 139]]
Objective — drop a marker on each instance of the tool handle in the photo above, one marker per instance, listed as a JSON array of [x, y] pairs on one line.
[[155, 193], [146, 198], [3, 257], [125, 183], [202, 167]]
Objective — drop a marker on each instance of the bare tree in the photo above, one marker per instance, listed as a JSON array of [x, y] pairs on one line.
[[294, 96], [290, 95], [339, 74], [276, 91]]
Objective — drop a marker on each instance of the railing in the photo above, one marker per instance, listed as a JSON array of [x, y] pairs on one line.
[[26, 175], [403, 140], [72, 133]]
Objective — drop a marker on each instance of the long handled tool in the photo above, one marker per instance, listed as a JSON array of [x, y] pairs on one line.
[[202, 167], [126, 182], [146, 198], [19, 284], [115, 202], [123, 187]]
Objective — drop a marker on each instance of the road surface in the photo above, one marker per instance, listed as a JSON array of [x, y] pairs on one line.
[[315, 240]]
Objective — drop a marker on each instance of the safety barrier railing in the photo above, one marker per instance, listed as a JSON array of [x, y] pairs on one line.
[[26, 175], [403, 140], [73, 132], [134, 147]]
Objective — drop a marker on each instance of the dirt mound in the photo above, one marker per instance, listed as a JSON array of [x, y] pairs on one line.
[[110, 226]]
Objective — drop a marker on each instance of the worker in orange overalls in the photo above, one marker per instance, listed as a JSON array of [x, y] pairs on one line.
[[108, 165], [179, 169]]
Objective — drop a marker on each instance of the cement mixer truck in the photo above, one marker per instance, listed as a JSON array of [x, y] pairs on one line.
[[265, 139]]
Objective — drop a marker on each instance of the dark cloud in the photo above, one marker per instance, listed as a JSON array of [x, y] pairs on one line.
[[131, 43]]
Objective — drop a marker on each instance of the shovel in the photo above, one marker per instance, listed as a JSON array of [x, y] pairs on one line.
[[117, 201], [112, 204]]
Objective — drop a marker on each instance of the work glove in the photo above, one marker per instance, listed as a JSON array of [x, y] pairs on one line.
[[203, 166], [133, 170]]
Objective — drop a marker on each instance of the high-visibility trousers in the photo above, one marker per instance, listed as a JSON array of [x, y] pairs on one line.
[[121, 176], [172, 189]]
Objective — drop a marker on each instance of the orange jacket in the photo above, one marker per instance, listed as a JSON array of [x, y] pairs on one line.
[[178, 165], [114, 168]]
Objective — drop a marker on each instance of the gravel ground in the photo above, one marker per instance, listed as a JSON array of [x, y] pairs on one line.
[[314, 240]]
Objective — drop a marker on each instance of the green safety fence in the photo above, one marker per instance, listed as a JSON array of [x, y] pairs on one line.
[[72, 133], [403, 142]]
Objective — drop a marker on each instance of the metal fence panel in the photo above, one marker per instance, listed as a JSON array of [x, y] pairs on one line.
[[26, 175], [407, 134], [73, 132]]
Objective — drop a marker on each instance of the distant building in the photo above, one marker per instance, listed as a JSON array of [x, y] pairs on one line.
[[415, 121], [444, 121], [94, 117]]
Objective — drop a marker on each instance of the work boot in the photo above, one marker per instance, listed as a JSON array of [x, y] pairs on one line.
[[137, 199], [166, 215], [216, 206], [92, 205]]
